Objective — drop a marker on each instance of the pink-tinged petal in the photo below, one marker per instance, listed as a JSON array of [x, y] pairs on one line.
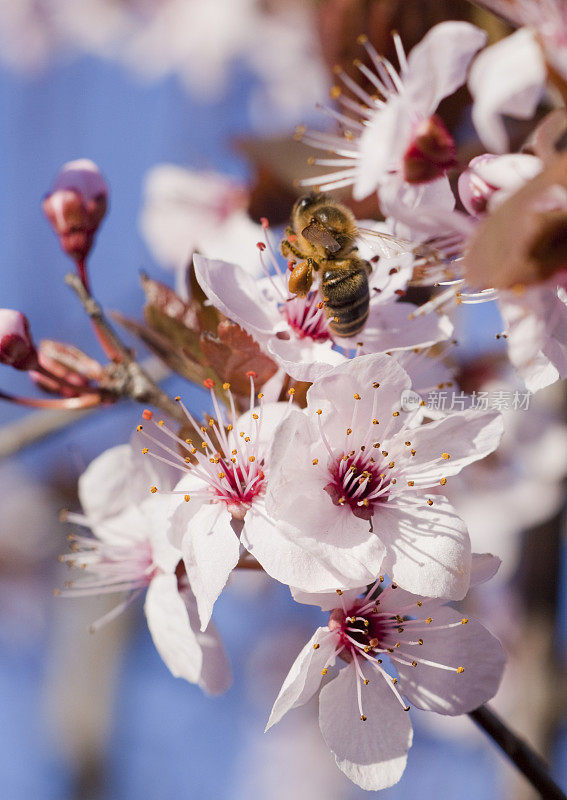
[[484, 567], [507, 78], [293, 558], [181, 511], [235, 293], [438, 65], [373, 753], [417, 212], [427, 547], [269, 417], [304, 359], [444, 447], [104, 487], [304, 677], [382, 145], [327, 600], [393, 326], [360, 374], [216, 674], [537, 334], [448, 692], [169, 625], [210, 552]]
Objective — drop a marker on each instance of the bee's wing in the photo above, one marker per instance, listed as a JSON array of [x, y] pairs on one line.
[[384, 244], [317, 234]]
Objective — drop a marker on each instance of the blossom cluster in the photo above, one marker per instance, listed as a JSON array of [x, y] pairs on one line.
[[337, 417]]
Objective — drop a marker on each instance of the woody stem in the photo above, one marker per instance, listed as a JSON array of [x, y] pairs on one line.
[[135, 383], [534, 768]]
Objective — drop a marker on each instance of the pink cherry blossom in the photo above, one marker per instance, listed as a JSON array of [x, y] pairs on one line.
[[129, 552], [444, 662], [349, 476], [16, 345], [394, 141]]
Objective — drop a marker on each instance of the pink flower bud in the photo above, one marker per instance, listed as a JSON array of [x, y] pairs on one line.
[[431, 152], [490, 179], [76, 206], [16, 346]]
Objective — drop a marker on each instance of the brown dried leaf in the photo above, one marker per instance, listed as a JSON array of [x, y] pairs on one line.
[[233, 353], [167, 302]]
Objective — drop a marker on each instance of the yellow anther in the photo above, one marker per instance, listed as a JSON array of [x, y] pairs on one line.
[[363, 718], [366, 681], [319, 411], [339, 592], [222, 475], [335, 92], [420, 641], [429, 502], [394, 681], [145, 451], [324, 671], [246, 438], [395, 413], [260, 395], [445, 456], [356, 396], [464, 621], [315, 462], [411, 483], [187, 498], [348, 431], [412, 452], [229, 427], [254, 416], [443, 481], [362, 39], [391, 465], [375, 385], [429, 620], [419, 603], [460, 670], [315, 647], [414, 663], [407, 444], [291, 391], [177, 399], [375, 422], [139, 428], [153, 489]]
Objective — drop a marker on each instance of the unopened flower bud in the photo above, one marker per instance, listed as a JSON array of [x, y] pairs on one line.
[[431, 152], [76, 206], [16, 345], [490, 179]]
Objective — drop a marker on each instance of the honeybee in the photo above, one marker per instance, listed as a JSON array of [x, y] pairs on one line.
[[322, 236]]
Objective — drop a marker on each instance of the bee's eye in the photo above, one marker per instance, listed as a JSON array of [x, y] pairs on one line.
[[304, 203]]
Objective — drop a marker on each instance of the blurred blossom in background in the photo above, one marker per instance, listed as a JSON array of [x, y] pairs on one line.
[[184, 105]]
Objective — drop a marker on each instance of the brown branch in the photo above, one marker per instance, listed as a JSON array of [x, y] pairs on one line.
[[526, 760], [130, 379]]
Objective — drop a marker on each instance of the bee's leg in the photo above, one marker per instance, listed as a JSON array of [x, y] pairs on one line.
[[288, 249], [301, 277]]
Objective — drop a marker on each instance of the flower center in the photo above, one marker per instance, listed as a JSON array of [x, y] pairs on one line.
[[307, 317], [359, 482]]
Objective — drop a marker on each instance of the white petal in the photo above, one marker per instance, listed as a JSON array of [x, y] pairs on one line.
[[438, 65], [303, 561], [304, 677], [304, 359], [441, 690], [427, 548], [236, 294], [327, 601], [507, 78], [262, 430], [210, 552], [393, 326], [104, 486], [464, 437], [171, 631], [372, 754]]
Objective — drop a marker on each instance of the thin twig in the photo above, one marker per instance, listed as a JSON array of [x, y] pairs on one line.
[[133, 379], [527, 760]]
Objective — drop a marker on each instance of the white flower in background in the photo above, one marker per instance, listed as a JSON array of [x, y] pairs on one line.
[[186, 210], [295, 330], [129, 552], [489, 180], [393, 144], [444, 662], [509, 77], [349, 477]]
